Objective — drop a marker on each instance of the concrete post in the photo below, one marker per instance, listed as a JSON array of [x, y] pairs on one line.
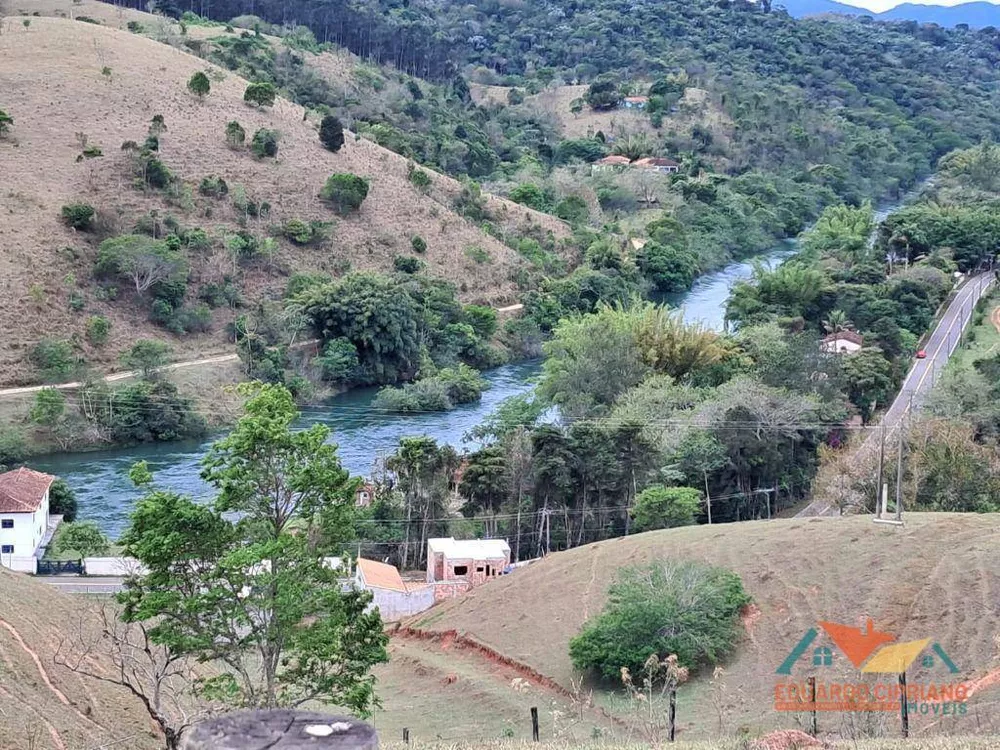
[[282, 729]]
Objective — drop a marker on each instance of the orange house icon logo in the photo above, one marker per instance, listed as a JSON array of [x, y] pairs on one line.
[[866, 649]]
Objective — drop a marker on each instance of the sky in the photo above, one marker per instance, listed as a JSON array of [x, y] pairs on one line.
[[878, 6]]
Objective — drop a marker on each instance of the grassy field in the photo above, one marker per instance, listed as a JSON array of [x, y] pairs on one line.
[[982, 340], [65, 80], [937, 577]]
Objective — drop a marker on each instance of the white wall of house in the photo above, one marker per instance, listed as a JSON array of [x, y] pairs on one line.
[[395, 605], [26, 532]]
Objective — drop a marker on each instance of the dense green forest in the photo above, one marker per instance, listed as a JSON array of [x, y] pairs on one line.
[[771, 118]]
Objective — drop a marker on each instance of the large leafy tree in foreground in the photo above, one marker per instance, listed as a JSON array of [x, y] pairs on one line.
[[241, 583]]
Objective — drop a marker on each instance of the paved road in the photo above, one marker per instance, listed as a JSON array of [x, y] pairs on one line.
[[923, 374], [70, 584]]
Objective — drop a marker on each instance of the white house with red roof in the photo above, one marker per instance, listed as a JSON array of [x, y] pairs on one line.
[[24, 514]]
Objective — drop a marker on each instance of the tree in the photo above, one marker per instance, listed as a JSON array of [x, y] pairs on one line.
[[686, 609], [62, 501], [147, 356], [242, 582], [331, 133], [670, 268], [236, 136], [49, 407], [265, 143], [484, 485], [659, 507], [344, 192], [261, 93], [159, 678], [603, 93], [83, 537], [142, 260], [5, 122], [868, 376], [701, 454], [78, 215], [54, 359], [339, 360], [199, 85]]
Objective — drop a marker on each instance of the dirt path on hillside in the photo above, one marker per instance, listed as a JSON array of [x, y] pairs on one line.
[[135, 373], [45, 675], [995, 318]]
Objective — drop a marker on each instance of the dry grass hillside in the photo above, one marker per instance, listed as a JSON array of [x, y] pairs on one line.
[[62, 77], [44, 706], [938, 577]]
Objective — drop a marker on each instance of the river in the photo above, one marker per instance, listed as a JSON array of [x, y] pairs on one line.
[[106, 496]]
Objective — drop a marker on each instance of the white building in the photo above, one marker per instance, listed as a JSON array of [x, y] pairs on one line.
[[473, 561], [24, 515], [842, 342]]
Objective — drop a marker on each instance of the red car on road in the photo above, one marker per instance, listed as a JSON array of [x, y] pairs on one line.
[[921, 354]]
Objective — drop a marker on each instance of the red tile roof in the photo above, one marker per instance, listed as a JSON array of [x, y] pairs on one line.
[[613, 159], [22, 490], [378, 575], [655, 161]]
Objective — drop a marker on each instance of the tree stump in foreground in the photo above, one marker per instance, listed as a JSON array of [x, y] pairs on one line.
[[282, 729]]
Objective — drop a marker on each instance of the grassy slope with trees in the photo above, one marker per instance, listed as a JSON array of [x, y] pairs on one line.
[[808, 111]]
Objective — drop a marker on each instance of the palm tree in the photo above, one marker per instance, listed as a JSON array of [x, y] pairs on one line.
[[836, 322]]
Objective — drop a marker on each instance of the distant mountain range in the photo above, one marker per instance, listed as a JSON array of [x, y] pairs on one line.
[[976, 15]]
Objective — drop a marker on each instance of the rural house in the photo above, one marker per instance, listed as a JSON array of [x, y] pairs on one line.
[[393, 597], [364, 495], [842, 342], [24, 516], [635, 102], [611, 163], [657, 164], [467, 562]]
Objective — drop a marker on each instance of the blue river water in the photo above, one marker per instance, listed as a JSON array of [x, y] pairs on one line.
[[362, 433]]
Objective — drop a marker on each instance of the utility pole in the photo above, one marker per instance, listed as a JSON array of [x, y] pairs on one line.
[[899, 474], [881, 461]]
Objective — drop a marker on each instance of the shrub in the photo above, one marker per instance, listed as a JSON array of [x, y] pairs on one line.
[[331, 133], [418, 243], [345, 192], [530, 195], [218, 294], [5, 122], [616, 199], [236, 136], [573, 209], [660, 507], [419, 178], [148, 264], [688, 609], [98, 328], [265, 143], [54, 359], [261, 93], [406, 264], [213, 186], [78, 215], [150, 411], [82, 537], [304, 233], [49, 407], [135, 27], [339, 360], [76, 301], [147, 356], [62, 501], [155, 173], [477, 254], [441, 392], [199, 85]]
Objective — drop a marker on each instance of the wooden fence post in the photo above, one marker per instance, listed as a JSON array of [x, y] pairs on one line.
[[406, 735], [534, 723], [282, 729], [904, 709], [813, 729], [672, 715]]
